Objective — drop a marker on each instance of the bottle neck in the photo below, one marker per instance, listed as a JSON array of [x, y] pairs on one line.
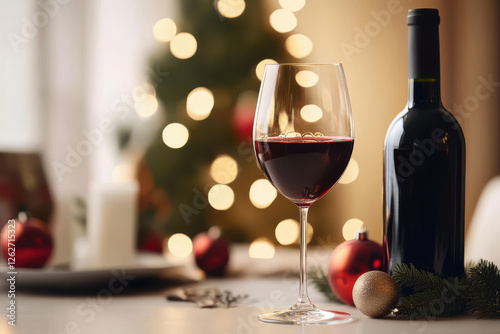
[[424, 92], [423, 61]]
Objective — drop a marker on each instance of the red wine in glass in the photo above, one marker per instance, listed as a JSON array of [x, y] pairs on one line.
[[303, 169]]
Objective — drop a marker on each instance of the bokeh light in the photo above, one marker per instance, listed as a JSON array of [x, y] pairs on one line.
[[221, 197], [180, 245], [183, 45], [175, 135], [311, 113], [259, 70], [351, 172], [146, 106], [231, 8], [306, 78], [261, 248], [299, 45], [224, 169], [351, 227], [164, 30], [262, 193], [283, 20], [292, 5], [199, 103], [287, 231]]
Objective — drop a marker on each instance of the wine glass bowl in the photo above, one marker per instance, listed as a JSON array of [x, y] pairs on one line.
[[303, 140], [303, 169]]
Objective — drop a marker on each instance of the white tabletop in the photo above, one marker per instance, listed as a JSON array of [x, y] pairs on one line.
[[126, 309], [150, 312]]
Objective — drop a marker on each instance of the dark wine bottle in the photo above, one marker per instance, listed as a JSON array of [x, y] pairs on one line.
[[424, 165]]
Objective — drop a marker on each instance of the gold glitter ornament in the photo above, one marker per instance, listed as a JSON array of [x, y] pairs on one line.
[[375, 294]]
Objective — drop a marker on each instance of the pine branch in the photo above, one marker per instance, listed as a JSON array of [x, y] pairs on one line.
[[416, 279], [433, 297], [416, 305], [483, 290], [318, 277]]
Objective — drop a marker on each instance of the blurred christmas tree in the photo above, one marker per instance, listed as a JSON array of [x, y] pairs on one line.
[[175, 182]]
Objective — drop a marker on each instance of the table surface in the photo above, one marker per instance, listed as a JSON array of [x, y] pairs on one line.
[[146, 310]]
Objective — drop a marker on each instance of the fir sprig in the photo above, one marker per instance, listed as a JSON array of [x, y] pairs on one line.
[[482, 288], [432, 297], [417, 280]]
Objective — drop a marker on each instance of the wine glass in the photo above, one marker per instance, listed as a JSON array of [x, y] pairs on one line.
[[303, 139]]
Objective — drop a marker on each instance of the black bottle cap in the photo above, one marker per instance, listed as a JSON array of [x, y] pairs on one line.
[[423, 15]]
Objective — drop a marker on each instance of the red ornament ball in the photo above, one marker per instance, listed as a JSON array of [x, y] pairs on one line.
[[28, 241], [211, 252], [350, 260]]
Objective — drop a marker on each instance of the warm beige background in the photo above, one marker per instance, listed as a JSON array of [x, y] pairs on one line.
[[377, 79]]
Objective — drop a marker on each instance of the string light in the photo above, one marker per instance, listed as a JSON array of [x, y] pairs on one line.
[[199, 103], [183, 45], [146, 106], [231, 8], [180, 245], [292, 5], [287, 231], [262, 193], [175, 135], [351, 172], [224, 169], [306, 78], [311, 113], [299, 45], [351, 227], [283, 20], [164, 30], [261, 248], [221, 197]]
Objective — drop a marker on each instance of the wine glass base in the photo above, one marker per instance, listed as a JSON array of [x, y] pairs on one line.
[[314, 316]]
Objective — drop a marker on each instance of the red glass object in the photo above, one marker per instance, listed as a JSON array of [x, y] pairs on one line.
[[211, 252], [350, 260], [30, 240]]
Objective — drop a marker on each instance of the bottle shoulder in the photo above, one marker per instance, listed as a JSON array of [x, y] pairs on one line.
[[421, 123]]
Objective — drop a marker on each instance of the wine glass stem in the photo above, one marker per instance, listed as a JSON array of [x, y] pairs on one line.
[[303, 300]]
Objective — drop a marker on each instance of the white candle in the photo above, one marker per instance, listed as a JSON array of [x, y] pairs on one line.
[[111, 224]]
